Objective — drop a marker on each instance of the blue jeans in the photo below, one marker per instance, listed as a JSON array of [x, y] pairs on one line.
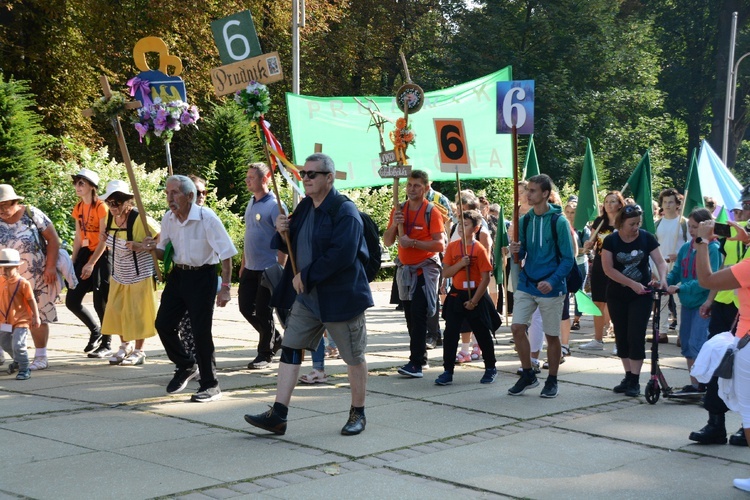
[[15, 343]]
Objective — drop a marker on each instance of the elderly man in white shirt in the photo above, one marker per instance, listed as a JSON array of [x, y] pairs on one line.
[[200, 242]]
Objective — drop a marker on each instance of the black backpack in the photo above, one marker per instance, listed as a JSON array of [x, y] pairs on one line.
[[371, 234], [574, 279]]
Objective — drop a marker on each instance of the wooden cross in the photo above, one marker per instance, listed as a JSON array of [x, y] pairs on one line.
[[107, 91]]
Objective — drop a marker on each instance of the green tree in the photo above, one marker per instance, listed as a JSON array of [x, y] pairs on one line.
[[21, 137], [228, 142]]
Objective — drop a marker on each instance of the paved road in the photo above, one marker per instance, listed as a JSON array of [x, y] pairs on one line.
[[84, 429]]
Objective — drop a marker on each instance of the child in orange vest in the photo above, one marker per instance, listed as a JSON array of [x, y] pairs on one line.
[[18, 312], [468, 263]]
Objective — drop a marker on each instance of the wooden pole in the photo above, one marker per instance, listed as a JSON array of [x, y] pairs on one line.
[[131, 173], [284, 234], [465, 237], [515, 188], [169, 159]]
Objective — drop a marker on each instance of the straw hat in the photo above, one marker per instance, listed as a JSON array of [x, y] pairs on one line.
[[9, 257], [7, 193], [116, 187], [89, 175]]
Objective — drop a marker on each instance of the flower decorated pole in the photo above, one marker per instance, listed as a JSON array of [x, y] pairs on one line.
[[165, 110], [110, 107], [255, 102]]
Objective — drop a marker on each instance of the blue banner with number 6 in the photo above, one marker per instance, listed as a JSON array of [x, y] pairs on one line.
[[515, 106]]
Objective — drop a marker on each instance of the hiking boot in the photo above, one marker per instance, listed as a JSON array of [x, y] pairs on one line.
[[527, 381], [490, 374], [550, 389], [268, 421], [355, 424], [411, 370], [738, 438], [714, 432], [445, 378]]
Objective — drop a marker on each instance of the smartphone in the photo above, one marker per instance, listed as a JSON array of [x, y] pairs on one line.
[[722, 230]]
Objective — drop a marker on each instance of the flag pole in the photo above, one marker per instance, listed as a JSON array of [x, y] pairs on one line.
[[284, 234], [464, 237]]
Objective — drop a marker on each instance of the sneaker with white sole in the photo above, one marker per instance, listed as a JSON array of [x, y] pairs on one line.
[[550, 389], [39, 363], [181, 378], [123, 352], [525, 382], [206, 395], [594, 345], [137, 357]]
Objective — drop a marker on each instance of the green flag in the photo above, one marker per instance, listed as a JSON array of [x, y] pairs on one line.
[[586, 305], [501, 241], [588, 204], [640, 185], [723, 217], [531, 165], [693, 194]]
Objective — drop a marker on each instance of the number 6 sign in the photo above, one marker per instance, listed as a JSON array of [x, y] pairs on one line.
[[515, 106], [452, 149]]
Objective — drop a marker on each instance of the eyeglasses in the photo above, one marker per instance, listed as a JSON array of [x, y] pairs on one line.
[[202, 193], [113, 203], [310, 174], [79, 182], [632, 211]]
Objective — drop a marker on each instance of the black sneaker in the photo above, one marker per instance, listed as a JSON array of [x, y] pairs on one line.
[[490, 374], [688, 389], [207, 395], [550, 389], [259, 363], [525, 382], [633, 390], [355, 424], [12, 368], [445, 378], [101, 352], [411, 370], [269, 421], [622, 386], [181, 378], [94, 340], [738, 438], [673, 325], [430, 344]]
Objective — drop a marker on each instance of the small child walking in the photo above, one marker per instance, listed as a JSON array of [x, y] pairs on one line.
[[468, 263], [18, 312]]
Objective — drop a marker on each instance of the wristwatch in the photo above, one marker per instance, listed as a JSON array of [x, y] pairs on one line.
[[699, 240]]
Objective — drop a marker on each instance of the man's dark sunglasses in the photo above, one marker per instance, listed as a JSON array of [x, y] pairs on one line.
[[310, 174]]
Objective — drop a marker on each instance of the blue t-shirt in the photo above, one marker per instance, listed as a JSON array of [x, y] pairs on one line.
[[260, 226]]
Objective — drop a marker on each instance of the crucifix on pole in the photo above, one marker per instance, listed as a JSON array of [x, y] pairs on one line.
[[115, 122]]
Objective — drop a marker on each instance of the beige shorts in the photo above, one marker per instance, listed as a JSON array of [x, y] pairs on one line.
[[550, 308], [304, 331]]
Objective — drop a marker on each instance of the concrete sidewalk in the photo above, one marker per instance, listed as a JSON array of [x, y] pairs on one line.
[[84, 429]]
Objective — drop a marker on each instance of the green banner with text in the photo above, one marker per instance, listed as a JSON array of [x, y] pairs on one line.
[[342, 126]]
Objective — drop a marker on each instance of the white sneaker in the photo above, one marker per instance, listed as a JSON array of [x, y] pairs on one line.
[[136, 358], [594, 345], [123, 352], [614, 351], [742, 484], [39, 363]]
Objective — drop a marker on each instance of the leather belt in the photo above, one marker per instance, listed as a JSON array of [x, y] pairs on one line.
[[185, 267]]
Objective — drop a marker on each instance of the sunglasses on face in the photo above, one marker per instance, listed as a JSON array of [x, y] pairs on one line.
[[310, 174], [632, 211], [79, 182], [201, 193], [113, 203]]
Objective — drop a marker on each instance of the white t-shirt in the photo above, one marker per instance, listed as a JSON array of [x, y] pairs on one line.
[[667, 236]]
